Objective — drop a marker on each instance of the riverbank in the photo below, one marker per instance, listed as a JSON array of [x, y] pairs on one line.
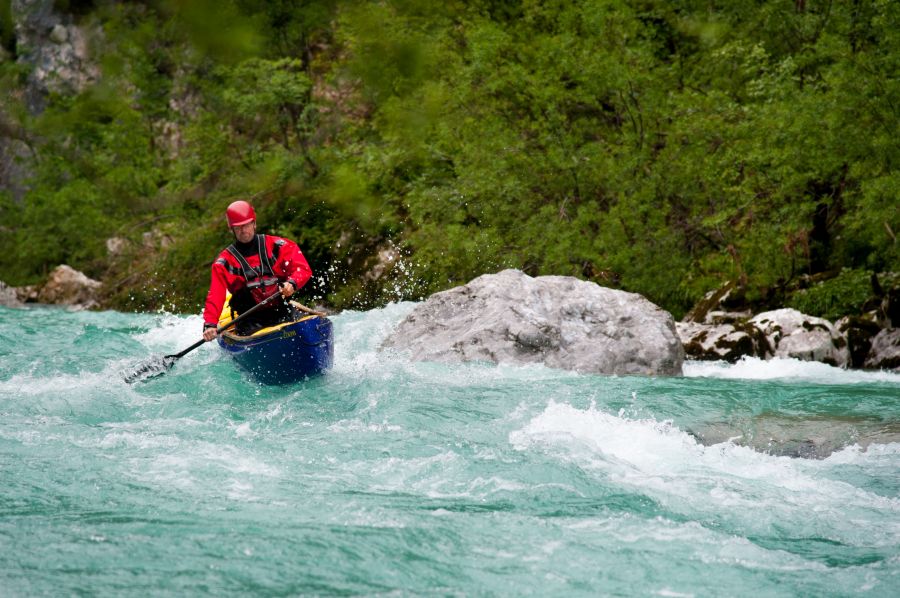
[[656, 148], [721, 327]]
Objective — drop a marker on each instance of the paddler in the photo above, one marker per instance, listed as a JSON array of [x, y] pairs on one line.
[[253, 268]]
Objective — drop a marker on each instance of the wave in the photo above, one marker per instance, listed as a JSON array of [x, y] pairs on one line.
[[753, 368], [724, 483]]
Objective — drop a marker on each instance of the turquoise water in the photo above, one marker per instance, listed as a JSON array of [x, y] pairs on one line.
[[392, 477]]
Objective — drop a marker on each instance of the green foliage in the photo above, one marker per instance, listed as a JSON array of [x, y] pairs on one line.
[[831, 299], [659, 147], [278, 89], [7, 34]]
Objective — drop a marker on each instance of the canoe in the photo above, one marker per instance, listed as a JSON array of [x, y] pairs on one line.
[[285, 353]]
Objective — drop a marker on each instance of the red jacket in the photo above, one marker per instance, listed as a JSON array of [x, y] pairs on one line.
[[284, 262]]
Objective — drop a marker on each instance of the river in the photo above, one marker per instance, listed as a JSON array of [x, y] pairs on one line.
[[392, 477]]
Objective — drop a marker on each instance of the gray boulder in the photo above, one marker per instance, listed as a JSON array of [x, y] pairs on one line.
[[885, 351], [790, 333], [559, 321]]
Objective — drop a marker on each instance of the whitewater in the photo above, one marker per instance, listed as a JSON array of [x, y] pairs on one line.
[[391, 477]]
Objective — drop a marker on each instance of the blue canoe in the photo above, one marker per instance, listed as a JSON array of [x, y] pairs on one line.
[[284, 353]]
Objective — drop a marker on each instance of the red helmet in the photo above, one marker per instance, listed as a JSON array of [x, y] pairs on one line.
[[239, 212]]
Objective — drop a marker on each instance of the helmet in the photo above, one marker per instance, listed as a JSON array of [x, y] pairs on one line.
[[239, 212]]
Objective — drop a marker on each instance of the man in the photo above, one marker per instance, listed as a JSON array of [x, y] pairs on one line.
[[252, 269]]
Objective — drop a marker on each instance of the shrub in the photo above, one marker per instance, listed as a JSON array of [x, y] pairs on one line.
[[843, 295]]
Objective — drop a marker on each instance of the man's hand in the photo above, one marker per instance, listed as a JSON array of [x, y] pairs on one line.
[[287, 289], [209, 334]]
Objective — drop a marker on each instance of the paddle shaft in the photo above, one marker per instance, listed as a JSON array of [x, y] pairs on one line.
[[159, 365], [219, 329]]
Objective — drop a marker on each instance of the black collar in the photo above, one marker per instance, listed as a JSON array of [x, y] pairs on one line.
[[247, 249]]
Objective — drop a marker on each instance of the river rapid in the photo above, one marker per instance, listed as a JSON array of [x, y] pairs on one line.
[[392, 477]]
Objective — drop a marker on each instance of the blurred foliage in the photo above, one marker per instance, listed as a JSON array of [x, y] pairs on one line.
[[831, 299], [7, 35], [654, 146]]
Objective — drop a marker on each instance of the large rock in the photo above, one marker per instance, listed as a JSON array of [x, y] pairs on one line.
[[67, 286], [792, 334], [885, 351], [559, 321]]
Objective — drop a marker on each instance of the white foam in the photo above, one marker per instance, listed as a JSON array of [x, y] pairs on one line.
[[356, 426], [752, 368], [358, 355], [871, 455], [190, 465], [724, 481], [172, 333], [363, 332]]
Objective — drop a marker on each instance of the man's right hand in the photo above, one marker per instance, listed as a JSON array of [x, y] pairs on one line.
[[209, 334]]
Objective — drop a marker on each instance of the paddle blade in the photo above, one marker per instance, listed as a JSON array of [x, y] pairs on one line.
[[154, 367]]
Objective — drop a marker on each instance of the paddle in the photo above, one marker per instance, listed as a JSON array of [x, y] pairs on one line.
[[160, 364]]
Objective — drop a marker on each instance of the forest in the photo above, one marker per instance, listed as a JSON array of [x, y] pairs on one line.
[[660, 147]]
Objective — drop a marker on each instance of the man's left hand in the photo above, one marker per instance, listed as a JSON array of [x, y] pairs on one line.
[[287, 289]]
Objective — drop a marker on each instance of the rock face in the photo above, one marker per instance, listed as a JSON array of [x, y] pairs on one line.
[[559, 321], [859, 332], [716, 328], [55, 47], [721, 327], [14, 161], [55, 52], [724, 305], [67, 286], [779, 333], [792, 334], [726, 342], [885, 351]]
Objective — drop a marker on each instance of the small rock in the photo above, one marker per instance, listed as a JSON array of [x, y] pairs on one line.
[[28, 294], [8, 296], [156, 239], [59, 34], [385, 260], [115, 245]]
